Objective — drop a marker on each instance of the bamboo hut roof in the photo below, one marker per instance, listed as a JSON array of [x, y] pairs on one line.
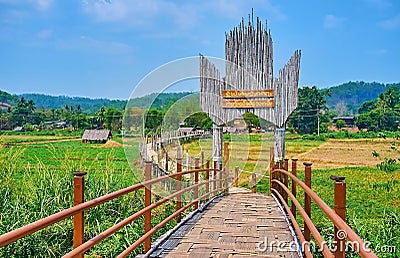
[[96, 135]]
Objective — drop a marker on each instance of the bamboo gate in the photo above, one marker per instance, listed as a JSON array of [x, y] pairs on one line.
[[249, 84]]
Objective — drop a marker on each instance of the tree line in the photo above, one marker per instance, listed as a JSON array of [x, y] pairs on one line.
[[25, 114], [311, 116]]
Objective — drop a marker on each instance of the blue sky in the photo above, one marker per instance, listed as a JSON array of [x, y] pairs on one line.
[[98, 48]]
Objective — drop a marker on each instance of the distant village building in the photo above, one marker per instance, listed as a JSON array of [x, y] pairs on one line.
[[349, 120], [49, 125], [229, 130], [186, 130], [19, 128], [4, 105], [240, 124], [96, 136]]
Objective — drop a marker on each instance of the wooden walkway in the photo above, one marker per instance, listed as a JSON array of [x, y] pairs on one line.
[[241, 224]]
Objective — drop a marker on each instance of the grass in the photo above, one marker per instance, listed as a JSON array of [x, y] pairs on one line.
[[36, 181]]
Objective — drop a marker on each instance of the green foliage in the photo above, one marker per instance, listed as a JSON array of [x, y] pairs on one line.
[[340, 124], [312, 105], [113, 119], [367, 106], [8, 98], [251, 120], [382, 114], [206, 123], [90, 106], [387, 165], [356, 93], [196, 120], [153, 121]]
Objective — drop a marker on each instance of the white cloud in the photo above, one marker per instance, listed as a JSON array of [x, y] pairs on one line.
[[182, 16], [332, 21], [391, 23]]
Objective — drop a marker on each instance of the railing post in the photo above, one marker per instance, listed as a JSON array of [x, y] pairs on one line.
[[340, 209], [286, 180], [236, 177], [207, 180], [280, 176], [79, 189], [271, 167], [166, 160], [196, 181], [178, 186], [147, 202], [253, 182], [307, 198], [226, 167], [220, 185], [294, 173], [215, 178]]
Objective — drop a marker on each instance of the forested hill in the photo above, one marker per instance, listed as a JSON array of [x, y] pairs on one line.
[[89, 105], [353, 94], [8, 98]]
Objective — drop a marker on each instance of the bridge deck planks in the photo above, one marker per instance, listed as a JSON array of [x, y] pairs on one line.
[[233, 226]]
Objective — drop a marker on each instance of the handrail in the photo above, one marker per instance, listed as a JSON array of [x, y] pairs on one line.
[[21, 232], [161, 224], [108, 232], [296, 226], [336, 219], [33, 227], [307, 220]]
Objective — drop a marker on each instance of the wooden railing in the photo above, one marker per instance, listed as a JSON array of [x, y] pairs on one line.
[[279, 183], [213, 184]]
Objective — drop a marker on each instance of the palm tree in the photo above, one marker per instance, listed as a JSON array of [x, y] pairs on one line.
[[100, 117]]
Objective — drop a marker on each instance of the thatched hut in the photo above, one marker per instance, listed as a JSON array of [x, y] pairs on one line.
[[96, 136]]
